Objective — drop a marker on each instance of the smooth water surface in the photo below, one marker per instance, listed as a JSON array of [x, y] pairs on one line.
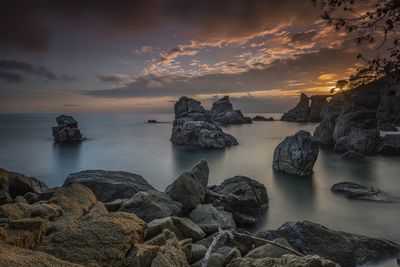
[[126, 142]]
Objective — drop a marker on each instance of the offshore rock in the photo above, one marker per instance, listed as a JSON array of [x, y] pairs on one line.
[[67, 130]]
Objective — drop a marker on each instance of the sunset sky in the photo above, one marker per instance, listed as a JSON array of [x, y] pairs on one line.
[[140, 56]]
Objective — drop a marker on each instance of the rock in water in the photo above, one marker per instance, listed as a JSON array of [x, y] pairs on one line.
[[297, 154], [222, 112], [262, 118], [324, 131], [190, 187], [67, 130], [244, 197], [193, 126], [110, 185], [357, 191], [151, 205], [345, 249], [390, 145], [300, 113]]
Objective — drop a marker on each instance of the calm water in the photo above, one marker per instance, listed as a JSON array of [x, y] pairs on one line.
[[126, 142]]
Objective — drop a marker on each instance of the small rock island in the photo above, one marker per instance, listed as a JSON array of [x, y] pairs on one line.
[[67, 130]]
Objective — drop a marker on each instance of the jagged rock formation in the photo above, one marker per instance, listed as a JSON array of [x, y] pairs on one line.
[[297, 154], [306, 112], [193, 126], [67, 130], [222, 113]]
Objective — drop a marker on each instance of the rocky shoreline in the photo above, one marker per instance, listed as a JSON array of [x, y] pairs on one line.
[[111, 218]]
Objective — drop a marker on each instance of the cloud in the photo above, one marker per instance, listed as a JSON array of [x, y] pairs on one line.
[[115, 78], [144, 50], [11, 71]]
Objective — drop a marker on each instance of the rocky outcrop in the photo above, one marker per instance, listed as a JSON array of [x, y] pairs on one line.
[[390, 145], [244, 197], [300, 113], [344, 248], [318, 102], [357, 191], [190, 187], [17, 184], [170, 255], [110, 185], [151, 205], [324, 131], [262, 118], [222, 112], [210, 218], [193, 126], [67, 130], [297, 154], [284, 261]]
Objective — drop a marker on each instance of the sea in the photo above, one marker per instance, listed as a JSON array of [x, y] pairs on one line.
[[126, 142]]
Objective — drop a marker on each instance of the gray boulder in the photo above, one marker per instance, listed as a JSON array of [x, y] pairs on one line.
[[110, 185], [17, 184], [300, 113], [208, 217], [357, 191], [344, 248], [270, 250], [297, 154], [244, 197], [390, 145], [67, 130], [151, 205], [222, 112], [190, 187]]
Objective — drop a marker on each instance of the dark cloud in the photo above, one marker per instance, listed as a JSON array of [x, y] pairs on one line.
[[112, 78], [11, 71], [303, 37], [23, 23]]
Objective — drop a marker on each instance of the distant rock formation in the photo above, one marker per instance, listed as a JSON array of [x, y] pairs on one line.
[[297, 154], [306, 112], [222, 112], [193, 126], [262, 118], [67, 130]]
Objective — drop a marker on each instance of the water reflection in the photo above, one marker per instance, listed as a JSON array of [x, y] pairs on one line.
[[67, 157]]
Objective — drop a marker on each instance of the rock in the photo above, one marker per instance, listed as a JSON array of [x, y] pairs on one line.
[[216, 260], [141, 255], [198, 252], [67, 130], [5, 197], [284, 261], [297, 154], [13, 211], [12, 256], [190, 187], [105, 238], [357, 191], [388, 127], [115, 205], [45, 211], [269, 250], [4, 178], [390, 145], [20, 199], [324, 131], [182, 227], [207, 217], [202, 134], [186, 247], [388, 109], [26, 233], [190, 108], [359, 140], [222, 113], [300, 113], [262, 118], [244, 197], [318, 102], [31, 197], [233, 254], [18, 184], [344, 248], [3, 236], [354, 120], [110, 185], [352, 155], [151, 205], [170, 255], [161, 238], [152, 121]]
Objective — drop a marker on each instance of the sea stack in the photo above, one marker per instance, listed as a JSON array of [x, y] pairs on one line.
[[222, 112], [67, 130]]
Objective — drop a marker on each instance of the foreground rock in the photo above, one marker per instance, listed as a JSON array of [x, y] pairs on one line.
[[297, 154], [210, 219], [343, 248], [284, 261], [17, 184], [110, 185], [357, 191], [190, 187], [67, 130], [151, 205], [193, 126], [244, 197], [222, 112]]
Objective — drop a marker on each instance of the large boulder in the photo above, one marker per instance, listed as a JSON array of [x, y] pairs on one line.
[[98, 237], [67, 130], [284, 261], [110, 185], [297, 154], [190, 187], [200, 133], [222, 113], [270, 250], [17, 184], [300, 113], [357, 191], [170, 255], [344, 248], [151, 205], [210, 219], [244, 197], [390, 145]]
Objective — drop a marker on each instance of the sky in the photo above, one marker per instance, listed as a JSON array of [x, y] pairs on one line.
[[141, 56]]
